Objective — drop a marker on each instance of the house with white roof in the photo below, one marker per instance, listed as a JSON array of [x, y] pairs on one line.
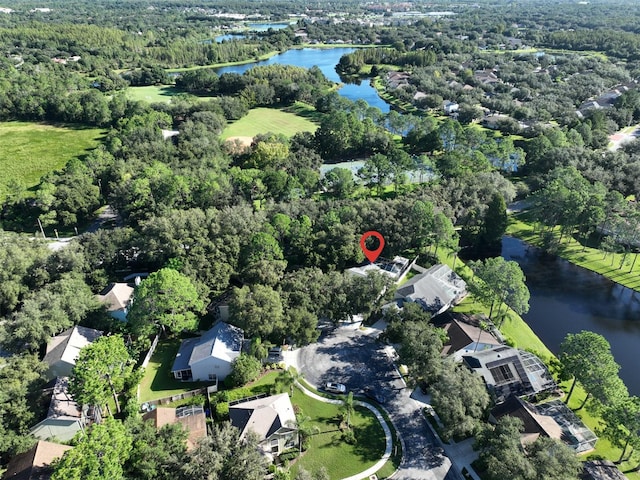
[[117, 299], [272, 418], [436, 289], [208, 357], [508, 371], [63, 350]]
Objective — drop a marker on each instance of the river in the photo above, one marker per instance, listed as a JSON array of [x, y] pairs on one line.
[[567, 299], [326, 60]]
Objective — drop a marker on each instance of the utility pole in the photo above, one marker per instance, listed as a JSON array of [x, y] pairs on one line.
[[41, 229]]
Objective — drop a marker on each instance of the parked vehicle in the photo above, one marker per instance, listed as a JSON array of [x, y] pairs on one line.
[[333, 387]]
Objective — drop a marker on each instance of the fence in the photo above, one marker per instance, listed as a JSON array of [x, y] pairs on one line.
[[154, 344], [179, 396]]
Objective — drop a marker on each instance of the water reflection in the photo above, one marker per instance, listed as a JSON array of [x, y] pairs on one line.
[[567, 299]]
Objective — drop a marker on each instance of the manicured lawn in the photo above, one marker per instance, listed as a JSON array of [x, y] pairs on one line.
[[575, 252], [157, 381], [327, 447], [30, 150], [155, 93], [264, 120]]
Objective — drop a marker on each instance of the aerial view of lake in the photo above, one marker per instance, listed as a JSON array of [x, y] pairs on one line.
[[326, 60], [568, 299]]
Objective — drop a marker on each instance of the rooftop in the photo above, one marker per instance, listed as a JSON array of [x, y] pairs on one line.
[[66, 346], [219, 342], [34, 463], [264, 416]]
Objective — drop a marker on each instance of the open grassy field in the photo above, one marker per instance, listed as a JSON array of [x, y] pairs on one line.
[[263, 120], [30, 150], [155, 93]]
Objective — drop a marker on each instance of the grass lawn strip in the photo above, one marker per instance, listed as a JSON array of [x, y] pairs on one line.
[[516, 329], [30, 150], [265, 120], [573, 251]]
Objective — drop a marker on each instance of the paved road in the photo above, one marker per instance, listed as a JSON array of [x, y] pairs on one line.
[[352, 357]]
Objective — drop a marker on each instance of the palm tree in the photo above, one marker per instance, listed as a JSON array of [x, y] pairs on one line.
[[305, 428], [286, 379], [347, 409]]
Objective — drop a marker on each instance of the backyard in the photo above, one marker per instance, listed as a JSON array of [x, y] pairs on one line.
[[157, 381]]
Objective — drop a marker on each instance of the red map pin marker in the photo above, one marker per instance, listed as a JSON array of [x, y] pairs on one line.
[[372, 255]]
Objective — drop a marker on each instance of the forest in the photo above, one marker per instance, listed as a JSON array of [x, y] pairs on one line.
[[257, 226]]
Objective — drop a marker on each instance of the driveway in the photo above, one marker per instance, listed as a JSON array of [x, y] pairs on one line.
[[352, 357]]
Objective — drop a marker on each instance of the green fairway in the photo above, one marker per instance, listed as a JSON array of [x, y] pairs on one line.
[[152, 94], [264, 120], [30, 150]]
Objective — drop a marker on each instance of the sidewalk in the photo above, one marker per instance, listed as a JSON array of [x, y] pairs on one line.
[[387, 432]]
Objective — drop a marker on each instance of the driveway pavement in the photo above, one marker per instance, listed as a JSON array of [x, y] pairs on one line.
[[353, 357]]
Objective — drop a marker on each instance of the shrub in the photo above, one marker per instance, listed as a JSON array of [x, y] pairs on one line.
[[245, 369], [349, 437], [288, 455]]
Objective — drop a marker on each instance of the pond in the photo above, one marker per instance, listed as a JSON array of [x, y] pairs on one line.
[[226, 37], [326, 60], [263, 27], [413, 176], [567, 299]]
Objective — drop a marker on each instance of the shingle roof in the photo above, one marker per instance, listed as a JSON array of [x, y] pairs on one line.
[[534, 423], [433, 289], [220, 341], [66, 346], [116, 296], [33, 464], [264, 416]]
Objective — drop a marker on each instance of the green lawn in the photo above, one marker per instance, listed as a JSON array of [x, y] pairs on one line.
[[327, 448], [576, 253], [264, 120], [155, 93], [30, 150], [157, 381]]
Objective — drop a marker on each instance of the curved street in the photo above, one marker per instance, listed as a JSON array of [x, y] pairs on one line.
[[352, 356]]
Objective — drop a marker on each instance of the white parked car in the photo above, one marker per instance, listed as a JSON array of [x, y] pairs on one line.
[[333, 387]]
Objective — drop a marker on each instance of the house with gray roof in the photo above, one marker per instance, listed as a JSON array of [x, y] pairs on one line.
[[208, 357], [65, 417], [272, 418], [436, 289], [63, 350], [508, 371]]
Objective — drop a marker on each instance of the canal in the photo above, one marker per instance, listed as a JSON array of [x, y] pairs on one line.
[[567, 299]]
